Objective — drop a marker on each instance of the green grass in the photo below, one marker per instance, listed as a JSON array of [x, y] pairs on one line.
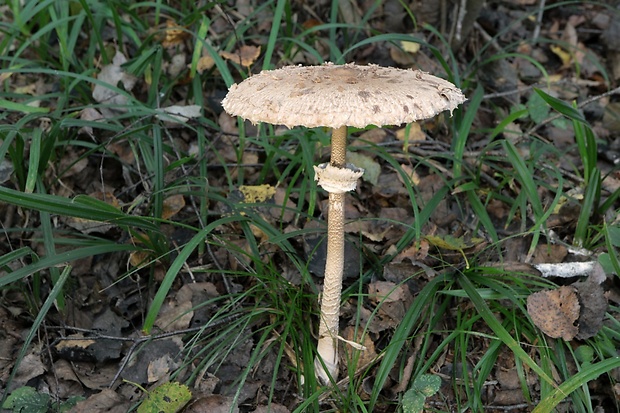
[[50, 56]]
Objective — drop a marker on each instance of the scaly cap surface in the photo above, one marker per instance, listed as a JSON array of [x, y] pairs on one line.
[[341, 95]]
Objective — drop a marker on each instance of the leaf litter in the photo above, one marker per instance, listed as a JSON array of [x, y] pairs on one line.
[[102, 325]]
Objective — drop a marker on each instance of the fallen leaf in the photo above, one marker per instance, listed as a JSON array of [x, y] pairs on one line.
[[555, 312], [413, 132], [410, 47], [206, 62], [179, 114], [88, 226], [448, 242], [371, 168], [159, 369], [107, 401], [257, 193], [272, 408], [213, 404], [172, 206], [30, 367], [113, 74], [361, 357], [173, 35], [593, 307], [175, 315], [244, 56], [167, 398]]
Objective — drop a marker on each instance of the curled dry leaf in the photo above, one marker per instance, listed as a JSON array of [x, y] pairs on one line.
[[88, 226], [172, 206], [179, 113], [555, 312], [244, 56], [174, 34], [113, 74]]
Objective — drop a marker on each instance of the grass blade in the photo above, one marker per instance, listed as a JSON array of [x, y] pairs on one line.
[[79, 207], [62, 258], [47, 305], [176, 266], [591, 372], [499, 330]]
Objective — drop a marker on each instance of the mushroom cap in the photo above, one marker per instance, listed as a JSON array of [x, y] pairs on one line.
[[341, 95]]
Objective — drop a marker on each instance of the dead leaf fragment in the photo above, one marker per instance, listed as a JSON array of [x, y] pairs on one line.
[[257, 193], [179, 114], [244, 56], [593, 307], [174, 34], [88, 226], [106, 401], [172, 206], [214, 404], [112, 75], [555, 312], [206, 62]]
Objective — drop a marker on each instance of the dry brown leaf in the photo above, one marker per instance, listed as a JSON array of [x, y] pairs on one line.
[[175, 315], [549, 253], [244, 56], [213, 404], [414, 133], [172, 206], [228, 124], [416, 252], [282, 200], [88, 226], [555, 312], [113, 74], [365, 356], [206, 62], [159, 369], [30, 367], [174, 34], [272, 408], [594, 307], [106, 401]]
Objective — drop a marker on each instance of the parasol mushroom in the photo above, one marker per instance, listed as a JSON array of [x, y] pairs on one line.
[[338, 96]]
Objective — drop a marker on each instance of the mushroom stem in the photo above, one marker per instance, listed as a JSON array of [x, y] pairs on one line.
[[327, 347], [326, 363], [339, 147]]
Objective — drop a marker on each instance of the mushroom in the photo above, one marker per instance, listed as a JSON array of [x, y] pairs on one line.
[[338, 96]]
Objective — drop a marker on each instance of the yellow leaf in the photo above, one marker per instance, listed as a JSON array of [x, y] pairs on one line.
[[410, 47], [257, 193], [564, 56]]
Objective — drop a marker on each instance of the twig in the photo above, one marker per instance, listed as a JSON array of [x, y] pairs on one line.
[[539, 17], [139, 340], [488, 37]]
